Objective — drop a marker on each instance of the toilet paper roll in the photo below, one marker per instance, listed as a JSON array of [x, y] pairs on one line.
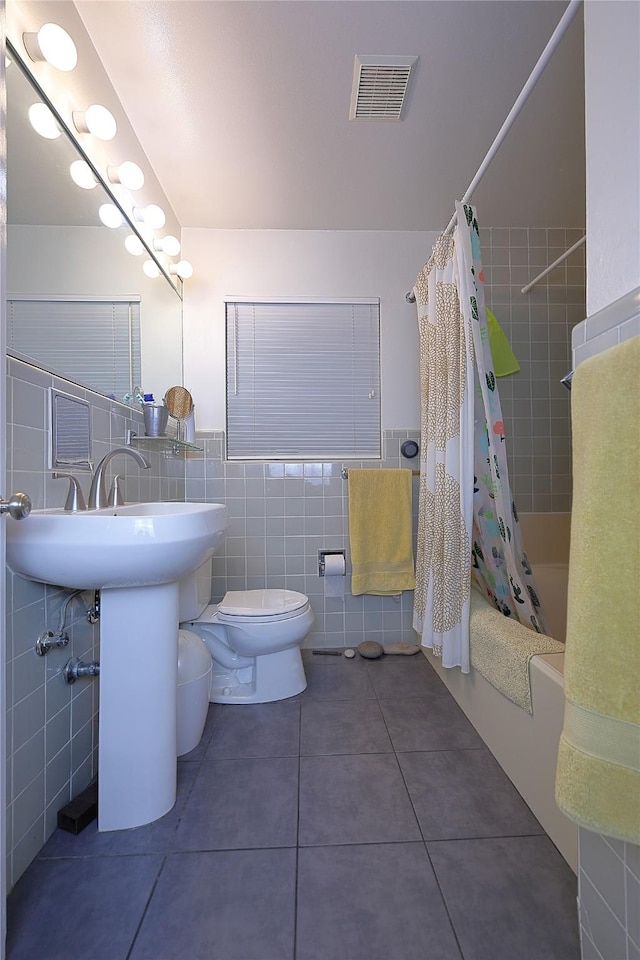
[[334, 575]]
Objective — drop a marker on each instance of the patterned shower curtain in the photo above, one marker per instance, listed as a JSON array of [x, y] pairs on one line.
[[467, 521]]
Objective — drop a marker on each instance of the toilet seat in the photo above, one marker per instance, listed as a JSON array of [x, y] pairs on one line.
[[261, 606]]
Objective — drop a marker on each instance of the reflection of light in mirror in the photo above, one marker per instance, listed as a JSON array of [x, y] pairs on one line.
[[110, 215], [153, 216], [96, 120], [182, 269], [53, 44], [82, 175], [128, 174], [169, 245], [134, 245], [150, 268], [43, 121]]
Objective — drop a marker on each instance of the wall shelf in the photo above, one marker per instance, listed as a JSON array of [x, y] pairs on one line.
[[160, 444]]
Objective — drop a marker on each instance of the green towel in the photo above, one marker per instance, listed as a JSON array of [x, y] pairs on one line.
[[504, 361], [598, 772]]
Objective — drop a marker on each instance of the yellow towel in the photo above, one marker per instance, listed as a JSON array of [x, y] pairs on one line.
[[504, 360], [501, 649], [598, 772], [380, 531]]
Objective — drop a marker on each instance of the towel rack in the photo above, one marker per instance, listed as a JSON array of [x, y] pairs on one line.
[[344, 473]]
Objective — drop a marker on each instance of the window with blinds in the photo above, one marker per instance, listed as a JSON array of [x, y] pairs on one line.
[[93, 342], [303, 380]]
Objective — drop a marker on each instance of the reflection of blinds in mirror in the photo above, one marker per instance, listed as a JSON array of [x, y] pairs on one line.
[[93, 342]]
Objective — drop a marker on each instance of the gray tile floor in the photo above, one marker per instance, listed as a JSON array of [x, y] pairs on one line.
[[362, 820]]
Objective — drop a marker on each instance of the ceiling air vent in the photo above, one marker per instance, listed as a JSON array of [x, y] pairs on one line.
[[380, 87]]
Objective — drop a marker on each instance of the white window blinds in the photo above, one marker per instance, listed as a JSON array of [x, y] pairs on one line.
[[93, 342], [303, 381]]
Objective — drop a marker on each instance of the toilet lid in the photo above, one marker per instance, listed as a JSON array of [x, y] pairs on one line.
[[261, 603]]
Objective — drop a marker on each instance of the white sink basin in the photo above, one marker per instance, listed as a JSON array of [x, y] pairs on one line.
[[136, 545]]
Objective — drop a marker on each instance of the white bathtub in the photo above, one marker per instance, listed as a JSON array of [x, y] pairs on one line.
[[526, 745]]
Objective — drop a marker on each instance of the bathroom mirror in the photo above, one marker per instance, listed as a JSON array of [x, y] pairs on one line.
[[58, 249]]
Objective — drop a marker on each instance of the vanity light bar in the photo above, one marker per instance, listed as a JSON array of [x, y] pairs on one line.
[[54, 45]]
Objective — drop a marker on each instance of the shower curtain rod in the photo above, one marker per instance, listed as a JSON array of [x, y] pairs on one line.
[[552, 266], [535, 75]]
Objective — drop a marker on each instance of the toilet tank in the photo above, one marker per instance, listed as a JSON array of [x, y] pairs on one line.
[[194, 593]]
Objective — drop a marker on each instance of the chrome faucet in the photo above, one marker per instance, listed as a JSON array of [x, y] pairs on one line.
[[98, 493]]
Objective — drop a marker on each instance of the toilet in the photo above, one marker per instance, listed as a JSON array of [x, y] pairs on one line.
[[253, 636]]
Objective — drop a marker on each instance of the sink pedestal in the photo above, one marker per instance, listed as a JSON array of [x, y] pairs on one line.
[[137, 763]]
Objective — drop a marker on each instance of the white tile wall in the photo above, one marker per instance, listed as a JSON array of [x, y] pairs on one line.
[[281, 515], [535, 405]]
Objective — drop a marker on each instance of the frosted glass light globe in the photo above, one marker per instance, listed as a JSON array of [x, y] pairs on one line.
[[151, 269], [53, 44], [110, 215], [182, 269], [134, 245], [43, 121], [169, 245], [96, 120], [82, 175], [128, 174]]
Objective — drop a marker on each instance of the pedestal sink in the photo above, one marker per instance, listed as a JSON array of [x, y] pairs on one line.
[[134, 555]]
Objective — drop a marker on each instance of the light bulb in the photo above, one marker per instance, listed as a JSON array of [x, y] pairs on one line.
[[43, 121], [53, 44], [151, 269], [128, 174], [110, 215], [82, 175], [96, 120], [153, 216], [169, 245], [182, 269], [134, 245]]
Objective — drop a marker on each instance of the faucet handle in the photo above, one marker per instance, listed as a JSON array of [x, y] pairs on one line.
[[115, 498], [75, 498]]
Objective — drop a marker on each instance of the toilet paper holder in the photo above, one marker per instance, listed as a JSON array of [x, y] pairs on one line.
[[322, 557]]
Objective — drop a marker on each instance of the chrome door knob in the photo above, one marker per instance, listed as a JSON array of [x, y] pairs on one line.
[[17, 506]]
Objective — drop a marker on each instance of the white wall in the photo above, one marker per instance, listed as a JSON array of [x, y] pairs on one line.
[[612, 92], [313, 263]]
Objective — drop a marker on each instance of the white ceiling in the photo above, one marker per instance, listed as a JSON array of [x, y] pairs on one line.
[[242, 108]]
